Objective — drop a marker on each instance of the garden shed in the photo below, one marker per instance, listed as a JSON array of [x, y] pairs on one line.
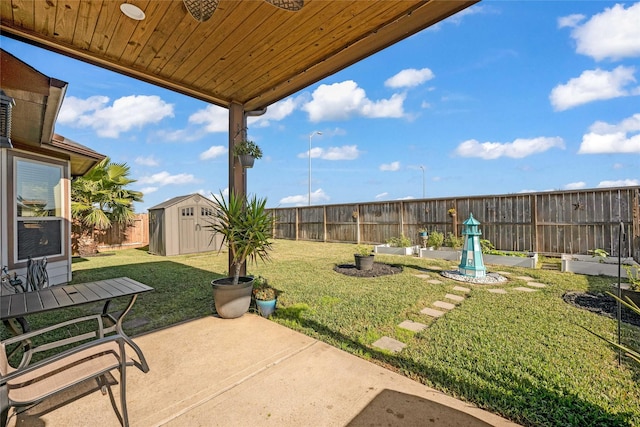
[[179, 226]]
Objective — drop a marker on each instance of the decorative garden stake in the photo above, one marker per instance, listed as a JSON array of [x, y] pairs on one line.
[[472, 264]]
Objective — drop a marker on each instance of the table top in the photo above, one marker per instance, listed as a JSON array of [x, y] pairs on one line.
[[56, 297]]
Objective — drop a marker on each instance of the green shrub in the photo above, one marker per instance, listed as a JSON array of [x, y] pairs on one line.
[[453, 241], [435, 239], [399, 242]]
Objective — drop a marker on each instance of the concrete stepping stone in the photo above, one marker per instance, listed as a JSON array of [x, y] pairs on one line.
[[523, 289], [445, 305], [412, 326], [454, 297], [461, 289], [497, 291], [434, 281], [423, 276], [536, 285], [432, 312], [525, 278], [389, 344]]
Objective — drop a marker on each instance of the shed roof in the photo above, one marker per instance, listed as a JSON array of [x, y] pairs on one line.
[[175, 200], [249, 52]]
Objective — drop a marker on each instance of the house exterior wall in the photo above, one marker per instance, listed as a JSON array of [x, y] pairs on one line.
[[58, 266]]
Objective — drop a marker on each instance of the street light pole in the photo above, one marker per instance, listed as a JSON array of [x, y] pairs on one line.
[[424, 191], [317, 132]]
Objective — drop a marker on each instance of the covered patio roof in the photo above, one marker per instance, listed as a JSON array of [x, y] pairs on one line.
[[249, 52]]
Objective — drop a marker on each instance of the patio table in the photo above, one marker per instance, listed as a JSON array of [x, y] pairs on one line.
[[16, 305]]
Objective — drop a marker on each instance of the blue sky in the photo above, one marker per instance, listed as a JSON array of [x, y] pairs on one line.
[[505, 97]]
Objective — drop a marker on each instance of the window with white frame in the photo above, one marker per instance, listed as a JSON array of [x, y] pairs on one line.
[[38, 193]]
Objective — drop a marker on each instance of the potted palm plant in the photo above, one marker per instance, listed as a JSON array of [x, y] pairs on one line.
[[266, 297], [245, 226], [247, 151]]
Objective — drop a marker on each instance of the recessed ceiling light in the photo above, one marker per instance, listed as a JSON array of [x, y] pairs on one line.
[[132, 11]]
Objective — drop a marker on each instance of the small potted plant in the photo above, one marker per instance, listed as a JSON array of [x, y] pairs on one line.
[[364, 258], [266, 297], [247, 151]]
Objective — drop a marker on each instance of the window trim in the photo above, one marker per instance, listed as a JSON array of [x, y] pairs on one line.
[[65, 233]]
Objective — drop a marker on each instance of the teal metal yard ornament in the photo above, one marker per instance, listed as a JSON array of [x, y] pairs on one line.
[[471, 263]]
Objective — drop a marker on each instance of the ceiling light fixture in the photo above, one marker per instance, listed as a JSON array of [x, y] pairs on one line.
[[132, 11]]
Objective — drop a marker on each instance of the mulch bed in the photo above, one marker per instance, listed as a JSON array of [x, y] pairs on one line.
[[379, 269], [601, 304]]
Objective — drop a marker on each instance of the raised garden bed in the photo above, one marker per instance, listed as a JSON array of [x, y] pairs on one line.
[[530, 261], [392, 250], [594, 266], [448, 254]]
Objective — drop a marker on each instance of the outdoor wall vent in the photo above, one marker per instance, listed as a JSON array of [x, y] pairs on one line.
[[6, 105]]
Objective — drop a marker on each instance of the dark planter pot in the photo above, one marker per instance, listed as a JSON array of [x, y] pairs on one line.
[[364, 262], [246, 160], [266, 308], [232, 301]]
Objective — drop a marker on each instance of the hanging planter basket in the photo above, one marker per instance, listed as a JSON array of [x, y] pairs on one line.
[[246, 160]]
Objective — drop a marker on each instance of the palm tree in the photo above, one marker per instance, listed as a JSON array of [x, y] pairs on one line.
[[99, 199]]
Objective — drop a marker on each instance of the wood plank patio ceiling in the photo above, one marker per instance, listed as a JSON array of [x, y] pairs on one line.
[[249, 52]]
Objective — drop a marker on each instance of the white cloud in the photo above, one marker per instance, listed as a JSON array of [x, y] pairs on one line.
[[381, 195], [593, 85], [623, 137], [147, 161], [128, 112], [391, 167], [575, 185], [517, 149], [275, 112], [570, 21], [619, 183], [613, 33], [346, 152], [410, 77], [149, 190], [406, 198], [318, 196], [165, 178], [214, 118], [213, 152], [341, 101]]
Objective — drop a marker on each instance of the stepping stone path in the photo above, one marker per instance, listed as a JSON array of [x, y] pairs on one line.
[[432, 312], [396, 346], [412, 326], [389, 344], [536, 285], [445, 305], [456, 298]]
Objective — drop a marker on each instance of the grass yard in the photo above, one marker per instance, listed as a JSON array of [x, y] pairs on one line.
[[522, 355]]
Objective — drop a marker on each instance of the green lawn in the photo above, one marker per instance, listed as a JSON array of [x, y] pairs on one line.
[[522, 355]]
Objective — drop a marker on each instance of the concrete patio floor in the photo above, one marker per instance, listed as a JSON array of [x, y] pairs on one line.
[[251, 371]]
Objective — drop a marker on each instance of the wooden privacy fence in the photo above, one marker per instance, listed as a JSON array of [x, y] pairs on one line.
[[135, 235], [551, 222]]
